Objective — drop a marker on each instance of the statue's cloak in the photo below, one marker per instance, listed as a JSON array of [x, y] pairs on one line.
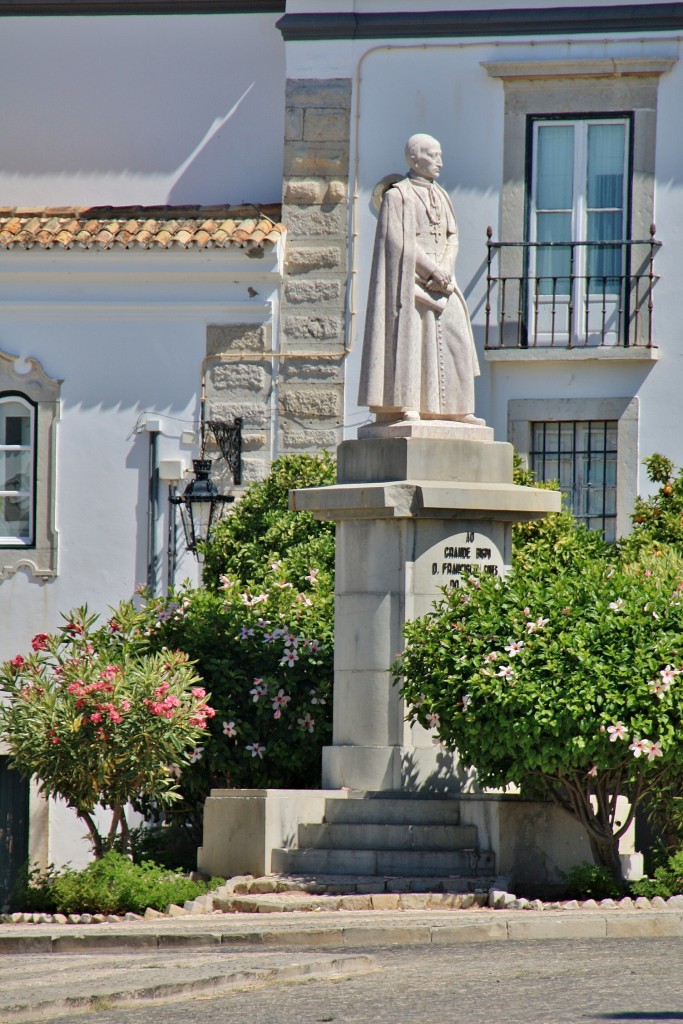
[[394, 329]]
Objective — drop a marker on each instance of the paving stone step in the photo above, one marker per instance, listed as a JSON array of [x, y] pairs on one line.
[[340, 835], [400, 810], [348, 884], [383, 862]]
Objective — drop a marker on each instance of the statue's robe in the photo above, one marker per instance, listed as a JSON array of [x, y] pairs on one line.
[[415, 357]]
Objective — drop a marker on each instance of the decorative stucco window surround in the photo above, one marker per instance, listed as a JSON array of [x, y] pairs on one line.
[[522, 413], [39, 557], [534, 89]]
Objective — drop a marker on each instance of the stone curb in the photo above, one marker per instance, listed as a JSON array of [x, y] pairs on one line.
[[323, 967], [340, 931]]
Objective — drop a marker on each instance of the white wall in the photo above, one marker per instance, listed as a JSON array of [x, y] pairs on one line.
[[126, 332], [141, 110]]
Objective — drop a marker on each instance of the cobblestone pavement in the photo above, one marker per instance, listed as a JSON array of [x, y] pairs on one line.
[[553, 982]]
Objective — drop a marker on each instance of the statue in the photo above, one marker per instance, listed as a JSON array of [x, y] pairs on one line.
[[419, 360]]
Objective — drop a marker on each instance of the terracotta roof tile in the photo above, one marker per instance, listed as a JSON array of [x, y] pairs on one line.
[[143, 227]]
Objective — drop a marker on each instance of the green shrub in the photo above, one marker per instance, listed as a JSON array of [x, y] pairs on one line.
[[591, 881], [111, 885], [667, 881]]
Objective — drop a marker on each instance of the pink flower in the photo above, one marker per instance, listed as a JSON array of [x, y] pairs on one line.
[[492, 656], [533, 627], [593, 772], [280, 701], [514, 647], [256, 749], [229, 729], [307, 722], [312, 576], [109, 673], [655, 751], [258, 691], [616, 732], [668, 675], [199, 692], [17, 662], [96, 717], [639, 746], [40, 641], [161, 690]]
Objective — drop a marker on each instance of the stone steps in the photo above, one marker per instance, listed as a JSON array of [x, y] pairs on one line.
[[338, 835], [424, 863], [321, 884], [398, 810]]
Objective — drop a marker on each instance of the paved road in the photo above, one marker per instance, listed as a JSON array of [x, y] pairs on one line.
[[553, 982]]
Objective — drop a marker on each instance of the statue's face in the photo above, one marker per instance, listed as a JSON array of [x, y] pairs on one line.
[[427, 161]]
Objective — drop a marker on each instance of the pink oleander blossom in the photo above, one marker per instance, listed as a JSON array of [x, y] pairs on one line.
[[40, 641], [639, 746], [617, 732]]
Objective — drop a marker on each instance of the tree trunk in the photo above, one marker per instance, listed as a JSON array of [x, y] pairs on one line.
[[606, 853]]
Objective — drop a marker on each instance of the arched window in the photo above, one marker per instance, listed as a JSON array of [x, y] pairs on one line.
[[17, 471]]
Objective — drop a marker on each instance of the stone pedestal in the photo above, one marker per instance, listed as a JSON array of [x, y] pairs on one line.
[[413, 514]]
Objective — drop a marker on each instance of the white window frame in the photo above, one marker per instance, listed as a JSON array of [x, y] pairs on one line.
[[26, 380], [545, 310], [12, 540], [522, 413]]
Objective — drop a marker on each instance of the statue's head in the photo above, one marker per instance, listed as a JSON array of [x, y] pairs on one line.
[[423, 153]]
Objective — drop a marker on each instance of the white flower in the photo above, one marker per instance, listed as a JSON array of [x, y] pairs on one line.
[[229, 729], [257, 750], [307, 722], [640, 746], [313, 645], [289, 658], [433, 720], [505, 671], [514, 647], [258, 690], [283, 585], [245, 632], [312, 576], [655, 751], [316, 698], [593, 771], [305, 601], [617, 605], [290, 640], [668, 675], [658, 688], [195, 755], [492, 656], [466, 700], [533, 627], [616, 732], [275, 566], [280, 700]]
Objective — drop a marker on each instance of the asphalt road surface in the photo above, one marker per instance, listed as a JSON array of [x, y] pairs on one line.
[[552, 982]]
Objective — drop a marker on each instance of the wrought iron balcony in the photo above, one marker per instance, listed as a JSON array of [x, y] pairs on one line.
[[570, 294]]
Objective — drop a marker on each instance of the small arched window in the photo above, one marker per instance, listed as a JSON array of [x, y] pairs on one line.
[[17, 471]]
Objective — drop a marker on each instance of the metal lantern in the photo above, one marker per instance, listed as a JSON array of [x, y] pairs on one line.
[[201, 505]]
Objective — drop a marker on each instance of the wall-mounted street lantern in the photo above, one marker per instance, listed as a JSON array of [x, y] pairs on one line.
[[201, 505]]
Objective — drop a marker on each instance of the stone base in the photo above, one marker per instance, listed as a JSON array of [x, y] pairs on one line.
[[405, 769], [452, 430]]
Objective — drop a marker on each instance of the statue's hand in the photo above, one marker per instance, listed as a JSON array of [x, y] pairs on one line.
[[441, 281]]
